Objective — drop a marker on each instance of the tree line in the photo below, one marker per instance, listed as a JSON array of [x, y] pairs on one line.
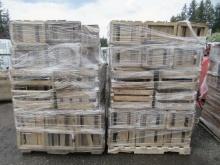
[[202, 12], [4, 22]]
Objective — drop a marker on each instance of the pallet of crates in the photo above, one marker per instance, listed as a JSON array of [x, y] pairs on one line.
[[131, 93], [210, 114]]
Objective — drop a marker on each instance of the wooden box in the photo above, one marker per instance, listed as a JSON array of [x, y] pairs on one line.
[[180, 120], [62, 31], [27, 32], [121, 137]]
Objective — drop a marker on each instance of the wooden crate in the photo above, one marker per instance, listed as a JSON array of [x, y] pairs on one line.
[[151, 119], [81, 78], [62, 31], [146, 137], [30, 139], [125, 32], [76, 100], [121, 137], [178, 75], [90, 142], [186, 57], [5, 86], [180, 120], [176, 80], [181, 138], [90, 35], [32, 90], [123, 118], [175, 106], [157, 57], [181, 96], [213, 80], [27, 32], [121, 57], [136, 76]]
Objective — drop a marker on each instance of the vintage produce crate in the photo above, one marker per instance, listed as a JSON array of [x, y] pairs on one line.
[[63, 31], [28, 32]]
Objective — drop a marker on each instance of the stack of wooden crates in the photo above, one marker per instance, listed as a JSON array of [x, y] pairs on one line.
[[153, 83], [211, 110], [56, 87]]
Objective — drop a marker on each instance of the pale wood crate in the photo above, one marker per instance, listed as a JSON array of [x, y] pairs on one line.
[[132, 75], [180, 120], [145, 137], [180, 96], [32, 90], [125, 57], [123, 118], [5, 86], [62, 31], [175, 106], [157, 57], [77, 100], [125, 32], [213, 80], [27, 32], [121, 137], [187, 58], [152, 119], [90, 35]]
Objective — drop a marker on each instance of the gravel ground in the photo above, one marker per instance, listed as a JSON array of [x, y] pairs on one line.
[[205, 150]]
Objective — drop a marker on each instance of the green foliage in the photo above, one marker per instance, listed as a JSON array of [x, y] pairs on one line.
[[192, 11], [216, 25], [203, 12], [214, 38], [201, 15], [4, 22], [103, 42]]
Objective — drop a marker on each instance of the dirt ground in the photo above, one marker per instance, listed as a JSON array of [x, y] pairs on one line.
[[205, 150]]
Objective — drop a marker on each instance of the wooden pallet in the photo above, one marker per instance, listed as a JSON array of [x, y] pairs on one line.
[[151, 150]]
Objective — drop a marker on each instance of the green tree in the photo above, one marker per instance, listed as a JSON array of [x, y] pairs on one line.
[[4, 22], [103, 42], [201, 15], [183, 13], [209, 13], [216, 25], [181, 16], [192, 12]]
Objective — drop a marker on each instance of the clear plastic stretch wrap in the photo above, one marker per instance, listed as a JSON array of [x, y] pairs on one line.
[[153, 84], [57, 86], [211, 111]]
